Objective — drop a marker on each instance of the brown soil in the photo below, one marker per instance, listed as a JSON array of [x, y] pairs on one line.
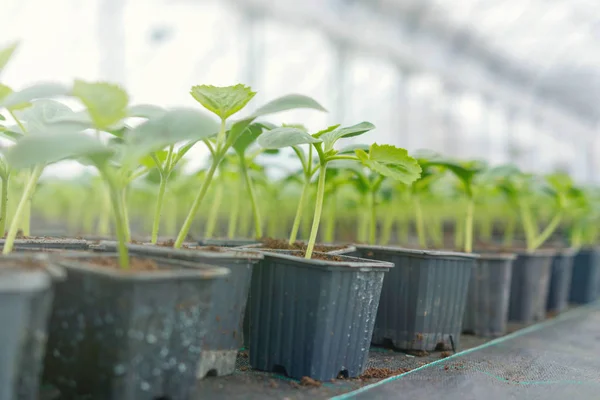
[[135, 263], [273, 384], [171, 243], [310, 382], [280, 244], [440, 346], [324, 257], [418, 353], [445, 354], [382, 373], [28, 264]]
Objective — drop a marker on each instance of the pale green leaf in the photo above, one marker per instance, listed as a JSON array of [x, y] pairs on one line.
[[329, 138], [248, 137], [42, 112], [223, 101], [4, 91], [6, 54], [106, 103], [392, 162], [288, 102], [145, 111], [148, 161], [16, 100], [324, 131], [176, 125], [285, 137], [43, 149], [350, 149]]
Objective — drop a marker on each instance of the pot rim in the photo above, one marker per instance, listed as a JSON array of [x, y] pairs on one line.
[[497, 256], [152, 249], [184, 269], [419, 252], [351, 262]]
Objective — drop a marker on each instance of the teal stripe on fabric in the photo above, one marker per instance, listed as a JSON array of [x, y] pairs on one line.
[[563, 317]]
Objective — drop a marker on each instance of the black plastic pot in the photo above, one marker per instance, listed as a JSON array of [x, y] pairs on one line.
[[560, 280], [486, 312], [585, 285], [529, 286], [25, 301], [423, 298], [116, 334], [48, 244], [225, 337], [313, 317], [335, 249]]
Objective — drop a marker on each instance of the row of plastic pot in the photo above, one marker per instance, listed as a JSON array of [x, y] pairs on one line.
[[151, 334]]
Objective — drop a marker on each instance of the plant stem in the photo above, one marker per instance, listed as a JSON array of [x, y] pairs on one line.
[[187, 224], [469, 227], [300, 208], [26, 219], [372, 218], [509, 232], [255, 211], [4, 204], [330, 219], [420, 223], [459, 233], [318, 208], [235, 212], [386, 228], [159, 204], [528, 225], [27, 193], [546, 233], [125, 215], [104, 220], [213, 217], [116, 199]]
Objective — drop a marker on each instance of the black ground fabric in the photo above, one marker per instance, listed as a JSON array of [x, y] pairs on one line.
[[249, 384], [556, 360]]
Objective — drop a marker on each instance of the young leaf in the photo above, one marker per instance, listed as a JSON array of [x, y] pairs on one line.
[[4, 91], [38, 149], [176, 125], [145, 111], [285, 137], [6, 54], [350, 149], [392, 162], [223, 101], [18, 99], [42, 112], [288, 102], [324, 131], [333, 136], [248, 137], [106, 103]]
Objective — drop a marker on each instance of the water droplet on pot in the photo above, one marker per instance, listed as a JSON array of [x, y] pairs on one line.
[[151, 338], [145, 386], [119, 369], [182, 368]]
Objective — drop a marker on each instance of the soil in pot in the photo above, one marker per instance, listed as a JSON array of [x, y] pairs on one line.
[[314, 317], [281, 244], [423, 297], [133, 334]]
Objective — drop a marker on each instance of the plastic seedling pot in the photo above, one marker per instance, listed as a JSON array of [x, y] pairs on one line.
[[225, 335], [26, 292], [48, 244], [423, 298], [585, 285], [486, 312], [324, 248], [117, 334], [313, 317], [227, 242], [529, 286], [560, 280]]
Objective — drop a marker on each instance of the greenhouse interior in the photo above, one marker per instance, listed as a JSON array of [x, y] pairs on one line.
[[318, 199]]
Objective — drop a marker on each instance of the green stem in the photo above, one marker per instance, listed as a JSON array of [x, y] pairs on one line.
[[528, 225], [299, 210], [386, 229], [469, 227], [26, 219], [159, 204], [330, 219], [125, 216], [104, 220], [372, 219], [459, 233], [116, 198], [318, 208], [213, 217], [363, 227], [187, 224], [509, 232], [4, 205], [27, 194], [255, 211], [402, 230], [235, 212], [420, 223], [546, 233]]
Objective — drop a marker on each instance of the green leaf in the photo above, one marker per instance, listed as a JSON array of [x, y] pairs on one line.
[[4, 91], [329, 138], [324, 131], [42, 149], [248, 137], [12, 132], [288, 102], [285, 137], [392, 162], [223, 101], [106, 103], [42, 113], [18, 99], [6, 54], [350, 149], [148, 160], [176, 125], [145, 111]]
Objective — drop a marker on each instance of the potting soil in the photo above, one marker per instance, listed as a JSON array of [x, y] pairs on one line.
[[249, 384], [558, 359]]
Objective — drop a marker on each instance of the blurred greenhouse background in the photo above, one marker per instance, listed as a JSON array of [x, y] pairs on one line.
[[505, 80]]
